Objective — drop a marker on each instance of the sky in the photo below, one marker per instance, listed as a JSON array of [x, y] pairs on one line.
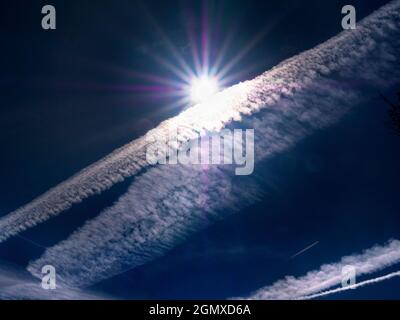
[[73, 95]]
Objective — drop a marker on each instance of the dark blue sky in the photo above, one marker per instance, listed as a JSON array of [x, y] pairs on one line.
[[65, 105]]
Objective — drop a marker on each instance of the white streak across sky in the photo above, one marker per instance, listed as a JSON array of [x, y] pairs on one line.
[[167, 203], [314, 283], [334, 71], [352, 287], [17, 284]]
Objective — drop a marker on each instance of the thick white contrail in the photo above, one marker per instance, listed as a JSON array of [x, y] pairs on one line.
[[368, 54], [355, 286], [167, 203], [330, 275]]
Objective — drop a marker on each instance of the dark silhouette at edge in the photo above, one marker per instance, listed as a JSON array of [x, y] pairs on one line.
[[394, 113]]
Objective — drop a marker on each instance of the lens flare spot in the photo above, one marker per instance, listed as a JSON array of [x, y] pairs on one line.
[[202, 88]]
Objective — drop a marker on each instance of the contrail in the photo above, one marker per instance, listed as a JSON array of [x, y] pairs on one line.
[[166, 204], [355, 286], [304, 250], [32, 242], [368, 55], [16, 283], [128, 160], [316, 282]]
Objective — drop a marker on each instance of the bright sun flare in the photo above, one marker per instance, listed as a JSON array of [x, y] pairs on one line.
[[202, 88]]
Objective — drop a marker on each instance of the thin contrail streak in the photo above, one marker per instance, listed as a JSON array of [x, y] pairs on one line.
[[355, 286], [31, 241], [320, 282], [304, 250]]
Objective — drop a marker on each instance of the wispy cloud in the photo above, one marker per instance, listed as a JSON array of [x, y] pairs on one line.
[[17, 284], [165, 204], [314, 283], [355, 286]]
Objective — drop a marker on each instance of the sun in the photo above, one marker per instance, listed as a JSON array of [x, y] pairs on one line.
[[190, 79], [203, 88]]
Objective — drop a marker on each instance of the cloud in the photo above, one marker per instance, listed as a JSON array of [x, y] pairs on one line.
[[355, 286], [17, 284], [366, 56], [313, 284], [165, 204]]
